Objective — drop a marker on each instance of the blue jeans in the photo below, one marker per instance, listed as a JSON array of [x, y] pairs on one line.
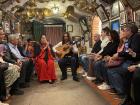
[[118, 77], [83, 60], [100, 70]]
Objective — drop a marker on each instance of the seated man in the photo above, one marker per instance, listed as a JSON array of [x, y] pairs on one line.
[[11, 72], [69, 58], [83, 59], [4, 74], [13, 56]]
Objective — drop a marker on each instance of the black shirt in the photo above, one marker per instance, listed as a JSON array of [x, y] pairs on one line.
[[134, 44], [97, 47]]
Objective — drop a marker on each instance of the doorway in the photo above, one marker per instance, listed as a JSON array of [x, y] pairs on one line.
[[54, 33]]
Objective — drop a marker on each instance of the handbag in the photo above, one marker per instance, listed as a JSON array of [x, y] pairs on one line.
[[114, 63], [4, 66]]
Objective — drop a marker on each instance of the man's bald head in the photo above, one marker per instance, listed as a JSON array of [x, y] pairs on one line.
[[96, 37]]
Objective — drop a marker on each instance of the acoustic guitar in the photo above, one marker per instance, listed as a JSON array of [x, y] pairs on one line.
[[66, 48]]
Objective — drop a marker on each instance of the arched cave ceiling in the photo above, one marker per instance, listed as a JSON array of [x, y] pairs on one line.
[[72, 9]]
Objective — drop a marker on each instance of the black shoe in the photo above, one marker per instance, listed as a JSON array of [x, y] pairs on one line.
[[76, 79], [63, 78], [97, 81], [16, 92], [24, 85]]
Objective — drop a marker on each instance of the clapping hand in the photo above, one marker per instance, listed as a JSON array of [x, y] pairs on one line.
[[131, 52], [132, 68], [19, 63]]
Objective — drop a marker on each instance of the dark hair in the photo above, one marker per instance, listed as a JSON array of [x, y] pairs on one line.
[[132, 27], [41, 37], [114, 35], [46, 51], [106, 30], [29, 39], [69, 38]]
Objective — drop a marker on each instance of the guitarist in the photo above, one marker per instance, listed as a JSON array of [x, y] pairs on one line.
[[70, 58]]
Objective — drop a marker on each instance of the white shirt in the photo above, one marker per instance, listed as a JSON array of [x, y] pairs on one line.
[[15, 51], [104, 43]]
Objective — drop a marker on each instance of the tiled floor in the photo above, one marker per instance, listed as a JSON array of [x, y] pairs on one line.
[[67, 92]]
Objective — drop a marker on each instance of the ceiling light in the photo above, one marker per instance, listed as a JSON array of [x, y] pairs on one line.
[[55, 9]]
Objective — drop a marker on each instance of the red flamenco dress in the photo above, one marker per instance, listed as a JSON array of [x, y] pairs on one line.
[[45, 69]]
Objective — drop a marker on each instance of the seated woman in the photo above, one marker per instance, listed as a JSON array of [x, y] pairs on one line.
[[11, 74], [44, 65], [108, 52]]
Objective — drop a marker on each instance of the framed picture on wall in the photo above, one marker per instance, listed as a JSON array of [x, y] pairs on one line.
[[69, 28], [102, 13], [6, 26], [137, 18], [122, 17], [129, 14], [115, 25], [115, 10]]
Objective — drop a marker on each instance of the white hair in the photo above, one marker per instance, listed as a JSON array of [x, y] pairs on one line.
[[11, 37], [97, 34]]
